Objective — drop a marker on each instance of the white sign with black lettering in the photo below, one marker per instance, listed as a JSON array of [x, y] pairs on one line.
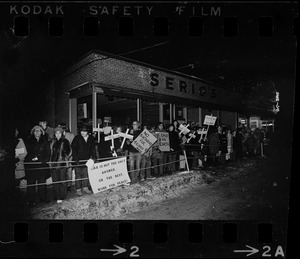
[[209, 120], [144, 141], [163, 139], [108, 174]]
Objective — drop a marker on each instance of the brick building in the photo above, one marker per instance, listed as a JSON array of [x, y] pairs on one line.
[[103, 85]]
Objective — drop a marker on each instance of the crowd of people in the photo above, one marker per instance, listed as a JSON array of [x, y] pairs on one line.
[[56, 152]]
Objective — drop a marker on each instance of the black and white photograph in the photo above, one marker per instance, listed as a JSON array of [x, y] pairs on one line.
[[147, 111]]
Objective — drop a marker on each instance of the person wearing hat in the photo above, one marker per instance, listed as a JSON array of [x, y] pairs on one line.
[[48, 131], [83, 148], [60, 152], [38, 154]]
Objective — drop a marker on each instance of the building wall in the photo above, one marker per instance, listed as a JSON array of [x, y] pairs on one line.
[[114, 72], [64, 84]]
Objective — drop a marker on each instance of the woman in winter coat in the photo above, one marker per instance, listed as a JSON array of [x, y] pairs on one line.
[[38, 154], [60, 152], [20, 154]]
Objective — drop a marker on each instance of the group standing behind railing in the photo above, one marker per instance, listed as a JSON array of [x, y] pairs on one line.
[[56, 152]]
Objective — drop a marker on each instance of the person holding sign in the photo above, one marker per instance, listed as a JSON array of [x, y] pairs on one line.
[[146, 161], [83, 148], [158, 155], [134, 155], [119, 141]]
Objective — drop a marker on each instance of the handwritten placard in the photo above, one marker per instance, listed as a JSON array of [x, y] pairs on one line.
[[210, 120], [163, 141], [144, 141], [108, 174]]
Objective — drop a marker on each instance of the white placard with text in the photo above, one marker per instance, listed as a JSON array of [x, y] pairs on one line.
[[108, 174], [144, 141]]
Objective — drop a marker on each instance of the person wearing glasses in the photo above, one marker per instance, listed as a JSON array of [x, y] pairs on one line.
[[135, 156]]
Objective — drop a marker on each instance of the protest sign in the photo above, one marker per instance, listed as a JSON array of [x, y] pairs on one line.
[[108, 174], [184, 129], [163, 141], [144, 141], [210, 120]]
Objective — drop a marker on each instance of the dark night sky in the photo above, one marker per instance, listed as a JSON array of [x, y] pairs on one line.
[[231, 62]]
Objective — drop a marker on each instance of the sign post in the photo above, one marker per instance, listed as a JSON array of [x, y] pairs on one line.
[[111, 137], [203, 132], [125, 136], [209, 120], [186, 161], [98, 130]]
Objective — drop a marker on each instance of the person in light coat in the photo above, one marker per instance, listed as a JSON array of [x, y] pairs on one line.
[[229, 145], [20, 154]]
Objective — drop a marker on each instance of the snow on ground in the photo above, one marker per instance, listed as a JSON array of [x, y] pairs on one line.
[[126, 199]]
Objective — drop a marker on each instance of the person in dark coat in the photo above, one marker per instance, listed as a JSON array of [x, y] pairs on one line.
[[213, 142], [83, 148], [60, 152], [38, 150], [238, 144], [222, 144], [174, 147]]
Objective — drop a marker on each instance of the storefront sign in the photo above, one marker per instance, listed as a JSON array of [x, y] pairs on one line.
[[163, 141], [209, 120], [142, 78], [144, 141], [108, 174]]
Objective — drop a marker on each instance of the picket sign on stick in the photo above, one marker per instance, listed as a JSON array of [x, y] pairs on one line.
[[125, 136], [98, 130], [192, 136], [112, 137], [184, 128], [203, 132], [209, 120]]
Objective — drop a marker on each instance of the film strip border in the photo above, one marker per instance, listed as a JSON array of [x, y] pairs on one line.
[[149, 238], [195, 26]]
